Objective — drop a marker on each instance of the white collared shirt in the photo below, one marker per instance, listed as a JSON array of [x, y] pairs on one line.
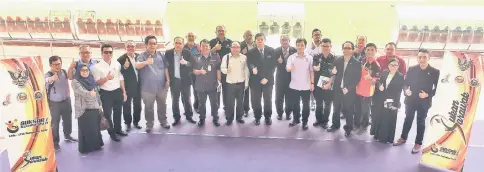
[[312, 52], [238, 66], [102, 70]]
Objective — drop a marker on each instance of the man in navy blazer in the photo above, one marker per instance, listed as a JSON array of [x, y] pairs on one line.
[[180, 69]]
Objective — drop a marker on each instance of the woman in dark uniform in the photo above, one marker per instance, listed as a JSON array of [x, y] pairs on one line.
[[388, 103]]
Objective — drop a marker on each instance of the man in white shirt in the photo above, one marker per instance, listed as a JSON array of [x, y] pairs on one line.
[[314, 50], [107, 74], [234, 65]]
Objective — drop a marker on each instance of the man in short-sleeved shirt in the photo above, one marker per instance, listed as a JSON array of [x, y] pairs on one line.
[[154, 82], [207, 81], [300, 65]]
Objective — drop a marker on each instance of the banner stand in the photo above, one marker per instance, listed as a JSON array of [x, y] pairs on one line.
[[434, 167]]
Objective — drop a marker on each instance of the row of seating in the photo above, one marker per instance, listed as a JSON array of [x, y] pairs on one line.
[[68, 29], [472, 39]]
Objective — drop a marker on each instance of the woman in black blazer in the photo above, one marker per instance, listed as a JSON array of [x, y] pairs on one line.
[[388, 103]]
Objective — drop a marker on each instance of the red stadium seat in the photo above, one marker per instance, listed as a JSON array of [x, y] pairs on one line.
[[478, 38], [89, 32], [3, 29], [444, 36], [139, 28], [131, 32], [39, 29], [101, 27], [467, 37], [81, 27], [158, 29], [455, 37], [18, 28], [61, 29], [149, 29], [121, 28], [110, 33]]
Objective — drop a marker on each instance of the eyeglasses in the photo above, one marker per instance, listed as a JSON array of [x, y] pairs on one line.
[[56, 64], [108, 52], [84, 70], [393, 65], [347, 48], [85, 52], [130, 46]]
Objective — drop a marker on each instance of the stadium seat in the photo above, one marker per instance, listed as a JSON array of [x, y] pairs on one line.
[[456, 35], [414, 35], [3, 29], [158, 29], [433, 36], [18, 28], [101, 27], [149, 28], [111, 32], [131, 32], [61, 29], [467, 36], [478, 36], [403, 34], [121, 28], [444, 36], [39, 29], [87, 30]]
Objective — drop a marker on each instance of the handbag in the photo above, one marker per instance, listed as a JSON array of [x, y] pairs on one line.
[[104, 122]]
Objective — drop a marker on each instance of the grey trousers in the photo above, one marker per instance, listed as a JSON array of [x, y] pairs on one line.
[[149, 99], [61, 110]]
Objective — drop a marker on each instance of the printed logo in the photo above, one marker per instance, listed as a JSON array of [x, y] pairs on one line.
[[475, 82], [445, 79], [12, 126], [7, 101], [31, 159], [464, 64], [22, 97], [19, 78], [459, 79], [38, 95]]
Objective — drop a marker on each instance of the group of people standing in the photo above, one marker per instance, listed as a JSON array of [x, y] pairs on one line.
[[357, 85]]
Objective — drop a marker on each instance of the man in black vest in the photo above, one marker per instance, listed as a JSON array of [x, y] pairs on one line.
[[180, 69], [221, 45], [261, 62], [131, 83]]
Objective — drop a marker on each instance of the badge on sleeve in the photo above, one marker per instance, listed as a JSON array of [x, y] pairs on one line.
[[209, 68]]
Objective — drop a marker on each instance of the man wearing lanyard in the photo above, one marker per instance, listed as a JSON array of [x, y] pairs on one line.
[[221, 46], [131, 82], [207, 82], [300, 65], [323, 79]]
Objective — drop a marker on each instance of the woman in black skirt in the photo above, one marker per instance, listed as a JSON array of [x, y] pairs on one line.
[[388, 103], [88, 111]]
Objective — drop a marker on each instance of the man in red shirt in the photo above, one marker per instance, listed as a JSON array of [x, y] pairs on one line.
[[390, 53], [370, 73]]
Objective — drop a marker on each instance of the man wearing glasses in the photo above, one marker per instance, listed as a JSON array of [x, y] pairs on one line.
[[85, 54], [58, 95], [107, 74]]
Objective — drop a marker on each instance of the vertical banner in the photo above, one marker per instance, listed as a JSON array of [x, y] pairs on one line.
[[25, 115], [447, 136]]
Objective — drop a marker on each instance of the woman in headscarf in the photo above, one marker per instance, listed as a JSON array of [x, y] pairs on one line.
[[387, 103], [87, 110]]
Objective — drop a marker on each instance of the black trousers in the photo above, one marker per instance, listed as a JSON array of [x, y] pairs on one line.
[[410, 110], [283, 96], [112, 102], [362, 111], [257, 93], [223, 92], [202, 106], [343, 104], [61, 110], [235, 97], [177, 89], [195, 94], [247, 100], [135, 100], [324, 99], [296, 97]]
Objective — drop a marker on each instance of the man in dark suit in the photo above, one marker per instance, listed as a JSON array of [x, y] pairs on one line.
[[221, 45], [245, 46], [180, 69], [419, 88], [283, 78], [131, 83], [261, 62], [348, 72]]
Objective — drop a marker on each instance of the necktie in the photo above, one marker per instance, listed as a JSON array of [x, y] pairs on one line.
[[261, 53], [284, 53]]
